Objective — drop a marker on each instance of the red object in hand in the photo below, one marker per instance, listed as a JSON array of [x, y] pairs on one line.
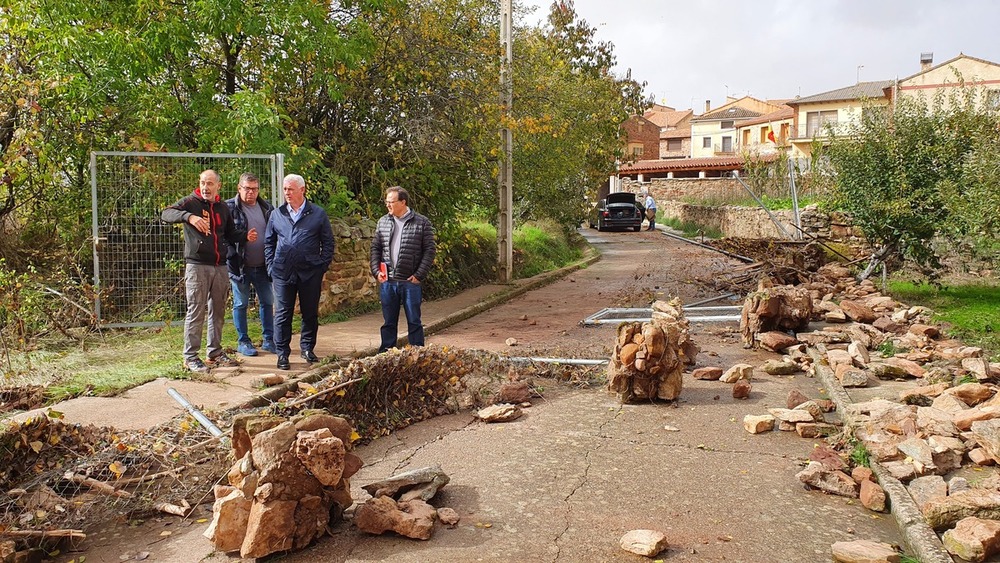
[[382, 270]]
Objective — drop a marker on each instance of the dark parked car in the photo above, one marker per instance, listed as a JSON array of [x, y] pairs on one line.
[[618, 211]]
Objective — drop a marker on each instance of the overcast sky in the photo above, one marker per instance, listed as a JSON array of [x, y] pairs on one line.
[[689, 51]]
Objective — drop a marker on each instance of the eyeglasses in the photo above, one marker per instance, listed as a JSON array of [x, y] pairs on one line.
[[388, 203], [249, 189]]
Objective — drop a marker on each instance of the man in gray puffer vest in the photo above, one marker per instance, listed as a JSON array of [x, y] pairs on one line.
[[403, 251]]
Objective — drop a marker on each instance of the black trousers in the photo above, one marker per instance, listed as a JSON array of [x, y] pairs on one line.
[[285, 292]]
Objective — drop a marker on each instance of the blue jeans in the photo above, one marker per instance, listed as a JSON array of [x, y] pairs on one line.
[[394, 293], [256, 279]]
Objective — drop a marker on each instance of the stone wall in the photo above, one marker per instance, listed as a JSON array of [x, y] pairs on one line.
[[667, 189], [349, 281], [739, 222]]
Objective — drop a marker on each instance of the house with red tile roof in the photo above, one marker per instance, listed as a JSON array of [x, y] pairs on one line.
[[766, 134], [675, 143], [668, 118], [642, 138], [713, 133]]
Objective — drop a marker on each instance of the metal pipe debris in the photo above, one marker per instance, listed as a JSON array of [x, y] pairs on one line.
[[719, 250], [568, 361], [195, 413]]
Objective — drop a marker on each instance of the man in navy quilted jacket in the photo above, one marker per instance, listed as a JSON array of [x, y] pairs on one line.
[[404, 244]]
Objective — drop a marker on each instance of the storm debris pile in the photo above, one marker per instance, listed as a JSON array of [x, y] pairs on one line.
[[59, 479], [649, 358], [291, 480], [924, 436], [397, 388]]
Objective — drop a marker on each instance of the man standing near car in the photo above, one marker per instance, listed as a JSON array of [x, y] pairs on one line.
[[208, 231], [247, 270], [402, 253], [650, 206], [298, 250]]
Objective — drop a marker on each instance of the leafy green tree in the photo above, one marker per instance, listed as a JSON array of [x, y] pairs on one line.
[[904, 172], [568, 111]]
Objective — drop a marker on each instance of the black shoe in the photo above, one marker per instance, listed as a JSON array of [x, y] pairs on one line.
[[283, 363], [308, 356]]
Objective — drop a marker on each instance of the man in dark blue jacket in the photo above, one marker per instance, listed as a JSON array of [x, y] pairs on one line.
[[247, 271], [298, 249], [208, 231], [402, 253]]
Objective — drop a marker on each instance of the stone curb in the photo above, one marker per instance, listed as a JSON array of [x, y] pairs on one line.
[[272, 394], [920, 539]]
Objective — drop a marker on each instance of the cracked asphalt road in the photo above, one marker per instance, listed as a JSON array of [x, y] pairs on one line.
[[578, 470]]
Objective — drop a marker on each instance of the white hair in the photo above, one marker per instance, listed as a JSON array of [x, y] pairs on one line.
[[295, 179]]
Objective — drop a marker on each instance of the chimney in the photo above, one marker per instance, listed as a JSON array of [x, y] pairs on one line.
[[926, 60], [708, 106]]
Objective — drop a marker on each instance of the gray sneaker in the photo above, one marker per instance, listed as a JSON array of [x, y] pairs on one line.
[[195, 366], [222, 361]]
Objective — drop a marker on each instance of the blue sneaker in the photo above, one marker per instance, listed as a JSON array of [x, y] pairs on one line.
[[246, 349], [268, 346]]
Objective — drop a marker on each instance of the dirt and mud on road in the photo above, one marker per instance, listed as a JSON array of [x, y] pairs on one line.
[[569, 478]]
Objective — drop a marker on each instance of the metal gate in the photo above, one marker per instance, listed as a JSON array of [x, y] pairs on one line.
[[138, 259]]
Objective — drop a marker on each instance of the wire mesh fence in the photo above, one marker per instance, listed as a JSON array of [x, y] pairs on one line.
[[138, 259]]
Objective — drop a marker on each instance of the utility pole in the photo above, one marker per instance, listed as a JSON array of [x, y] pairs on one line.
[[505, 226]]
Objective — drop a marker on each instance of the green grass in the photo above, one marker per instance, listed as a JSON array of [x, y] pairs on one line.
[[971, 312], [101, 366], [742, 199], [689, 228], [542, 246], [859, 455]]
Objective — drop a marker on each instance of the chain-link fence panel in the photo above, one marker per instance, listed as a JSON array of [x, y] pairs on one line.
[[138, 259]]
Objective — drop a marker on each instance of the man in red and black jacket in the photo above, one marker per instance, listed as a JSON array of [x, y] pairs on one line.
[[208, 231]]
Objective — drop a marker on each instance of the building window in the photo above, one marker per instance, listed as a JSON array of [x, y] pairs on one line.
[[674, 145], [728, 124], [816, 121], [727, 144], [746, 137], [763, 134], [993, 99], [706, 142], [637, 151]]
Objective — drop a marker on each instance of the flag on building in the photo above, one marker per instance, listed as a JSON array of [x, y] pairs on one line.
[[770, 136]]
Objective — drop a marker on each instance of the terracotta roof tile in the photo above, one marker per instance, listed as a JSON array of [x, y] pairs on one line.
[[786, 112], [676, 133], [734, 112], [666, 118], [705, 163]]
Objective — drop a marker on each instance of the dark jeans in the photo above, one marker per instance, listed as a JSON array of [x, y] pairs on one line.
[[285, 292], [253, 279], [394, 293]]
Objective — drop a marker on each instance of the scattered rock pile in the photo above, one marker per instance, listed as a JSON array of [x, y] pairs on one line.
[[400, 504], [649, 358], [290, 482], [922, 437]]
